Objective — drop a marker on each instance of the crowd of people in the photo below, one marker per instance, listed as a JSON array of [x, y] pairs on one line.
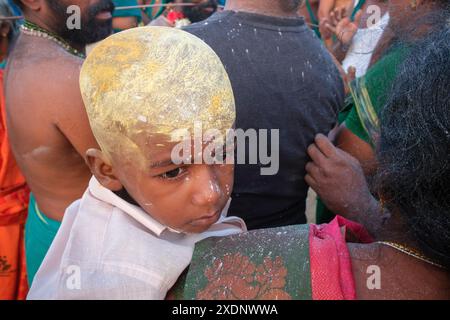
[[106, 190]]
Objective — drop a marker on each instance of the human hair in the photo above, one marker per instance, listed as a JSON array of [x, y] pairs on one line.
[[419, 26], [413, 177], [435, 19], [199, 13]]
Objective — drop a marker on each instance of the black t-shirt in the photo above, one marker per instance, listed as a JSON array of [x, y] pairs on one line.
[[283, 78]]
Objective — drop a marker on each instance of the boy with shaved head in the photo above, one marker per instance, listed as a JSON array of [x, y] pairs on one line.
[[132, 233]]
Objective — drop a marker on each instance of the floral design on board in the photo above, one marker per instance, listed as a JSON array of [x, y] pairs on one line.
[[236, 277]]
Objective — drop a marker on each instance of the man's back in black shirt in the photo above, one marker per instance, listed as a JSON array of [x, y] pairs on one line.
[[283, 78]]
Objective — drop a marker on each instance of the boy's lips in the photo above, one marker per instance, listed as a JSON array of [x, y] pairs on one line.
[[207, 219]]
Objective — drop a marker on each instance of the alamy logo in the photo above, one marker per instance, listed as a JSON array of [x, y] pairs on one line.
[[73, 281], [374, 280], [74, 20], [228, 148]]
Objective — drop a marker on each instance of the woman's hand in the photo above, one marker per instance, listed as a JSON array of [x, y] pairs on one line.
[[338, 179], [339, 24]]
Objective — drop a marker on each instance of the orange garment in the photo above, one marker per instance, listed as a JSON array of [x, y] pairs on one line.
[[14, 195]]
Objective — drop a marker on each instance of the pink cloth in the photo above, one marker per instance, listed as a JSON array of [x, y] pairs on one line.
[[331, 267]]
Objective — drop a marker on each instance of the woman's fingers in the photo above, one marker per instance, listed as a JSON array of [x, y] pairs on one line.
[[316, 155], [311, 182], [330, 28], [357, 19], [343, 12], [313, 170], [338, 14], [325, 145], [351, 74], [333, 19]]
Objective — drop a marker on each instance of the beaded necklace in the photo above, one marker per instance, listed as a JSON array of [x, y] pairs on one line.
[[32, 29]]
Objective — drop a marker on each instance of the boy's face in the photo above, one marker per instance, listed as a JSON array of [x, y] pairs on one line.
[[142, 89], [188, 198]]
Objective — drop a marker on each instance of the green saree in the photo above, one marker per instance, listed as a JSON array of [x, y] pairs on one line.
[[363, 107], [369, 94]]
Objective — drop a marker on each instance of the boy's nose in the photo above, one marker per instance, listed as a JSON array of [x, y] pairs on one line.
[[207, 188]]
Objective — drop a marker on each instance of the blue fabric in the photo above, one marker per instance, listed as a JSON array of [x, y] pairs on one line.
[[39, 234], [15, 9]]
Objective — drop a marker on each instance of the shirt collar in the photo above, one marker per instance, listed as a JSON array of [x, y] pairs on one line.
[[106, 195]]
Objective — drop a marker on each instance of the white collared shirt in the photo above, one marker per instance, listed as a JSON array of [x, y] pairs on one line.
[[107, 248], [363, 45]]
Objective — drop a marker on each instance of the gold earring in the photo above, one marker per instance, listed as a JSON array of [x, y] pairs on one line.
[[413, 4]]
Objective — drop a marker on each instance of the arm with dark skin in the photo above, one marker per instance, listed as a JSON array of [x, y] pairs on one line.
[[338, 178], [72, 119], [48, 126], [358, 148], [145, 18]]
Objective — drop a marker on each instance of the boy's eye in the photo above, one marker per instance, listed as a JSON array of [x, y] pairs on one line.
[[172, 174]]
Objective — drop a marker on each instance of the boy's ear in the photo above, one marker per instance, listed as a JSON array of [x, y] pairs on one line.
[[102, 169]]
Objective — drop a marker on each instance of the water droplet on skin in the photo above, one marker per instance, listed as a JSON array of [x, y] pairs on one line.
[[214, 187], [228, 190]]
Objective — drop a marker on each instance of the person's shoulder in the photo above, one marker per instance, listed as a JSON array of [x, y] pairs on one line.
[[44, 56], [53, 76], [62, 69]]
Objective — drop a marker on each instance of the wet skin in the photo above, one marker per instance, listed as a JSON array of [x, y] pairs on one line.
[[185, 197]]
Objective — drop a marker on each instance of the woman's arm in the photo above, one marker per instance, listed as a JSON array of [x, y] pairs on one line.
[[338, 178]]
